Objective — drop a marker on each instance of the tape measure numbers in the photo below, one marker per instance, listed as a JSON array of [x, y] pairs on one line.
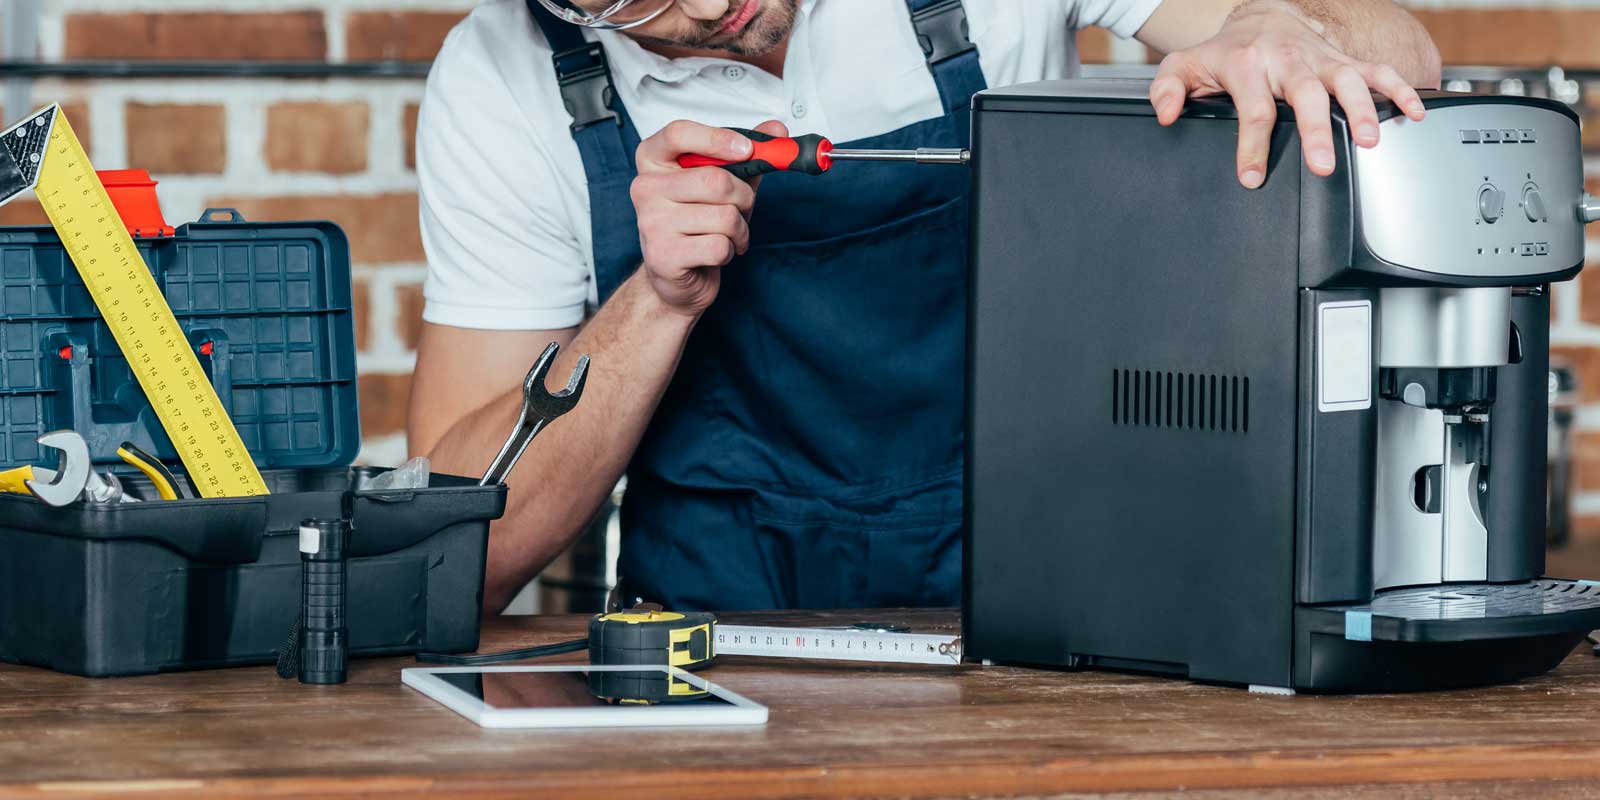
[[131, 303]]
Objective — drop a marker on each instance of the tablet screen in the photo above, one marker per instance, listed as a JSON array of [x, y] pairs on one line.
[[542, 689]]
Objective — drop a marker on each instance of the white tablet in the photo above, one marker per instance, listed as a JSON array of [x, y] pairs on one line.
[[582, 696]]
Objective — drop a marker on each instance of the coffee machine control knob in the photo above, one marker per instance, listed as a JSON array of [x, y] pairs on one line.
[[1533, 203], [1491, 202]]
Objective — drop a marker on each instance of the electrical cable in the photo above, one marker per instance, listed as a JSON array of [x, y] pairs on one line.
[[570, 646]]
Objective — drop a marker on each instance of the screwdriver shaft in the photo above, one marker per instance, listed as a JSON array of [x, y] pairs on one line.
[[921, 155]]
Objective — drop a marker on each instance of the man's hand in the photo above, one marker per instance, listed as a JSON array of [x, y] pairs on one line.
[[692, 222], [1266, 51]]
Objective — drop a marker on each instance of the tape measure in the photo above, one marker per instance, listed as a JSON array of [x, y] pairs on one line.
[[42, 153], [651, 636]]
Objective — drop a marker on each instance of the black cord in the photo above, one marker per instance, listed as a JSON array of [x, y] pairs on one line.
[[289, 654], [541, 651]]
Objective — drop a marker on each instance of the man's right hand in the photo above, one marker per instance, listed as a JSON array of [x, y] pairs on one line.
[[692, 222]]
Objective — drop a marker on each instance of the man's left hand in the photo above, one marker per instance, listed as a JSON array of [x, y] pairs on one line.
[[1267, 53]]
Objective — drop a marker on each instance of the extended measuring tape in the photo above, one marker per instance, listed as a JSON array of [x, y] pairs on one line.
[[43, 154], [650, 636]]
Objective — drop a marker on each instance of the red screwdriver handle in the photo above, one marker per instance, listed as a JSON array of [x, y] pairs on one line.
[[807, 154]]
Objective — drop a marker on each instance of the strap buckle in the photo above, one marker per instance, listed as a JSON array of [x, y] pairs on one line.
[[585, 81], [942, 31]]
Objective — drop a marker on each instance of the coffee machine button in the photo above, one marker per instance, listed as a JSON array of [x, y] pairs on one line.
[[1491, 202], [1533, 203]]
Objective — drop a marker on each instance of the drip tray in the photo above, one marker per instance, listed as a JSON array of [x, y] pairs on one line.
[[1463, 611]]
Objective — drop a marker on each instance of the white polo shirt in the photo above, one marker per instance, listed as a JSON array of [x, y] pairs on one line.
[[505, 208]]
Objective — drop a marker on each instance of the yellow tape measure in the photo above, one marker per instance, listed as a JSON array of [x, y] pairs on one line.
[[136, 312]]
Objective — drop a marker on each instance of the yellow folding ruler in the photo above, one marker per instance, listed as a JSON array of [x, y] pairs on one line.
[[43, 154]]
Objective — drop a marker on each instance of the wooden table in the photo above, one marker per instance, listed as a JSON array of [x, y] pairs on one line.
[[835, 730]]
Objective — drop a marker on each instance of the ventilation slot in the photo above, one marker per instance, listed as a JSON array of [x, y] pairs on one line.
[[1151, 399]]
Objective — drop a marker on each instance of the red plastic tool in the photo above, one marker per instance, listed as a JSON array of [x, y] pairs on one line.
[[813, 154], [809, 154]]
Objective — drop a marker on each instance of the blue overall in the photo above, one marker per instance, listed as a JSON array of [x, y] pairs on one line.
[[807, 453]]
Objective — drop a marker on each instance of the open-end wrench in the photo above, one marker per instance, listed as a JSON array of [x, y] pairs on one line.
[[539, 408], [64, 485]]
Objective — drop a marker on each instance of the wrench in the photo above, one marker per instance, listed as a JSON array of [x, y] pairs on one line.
[[62, 486], [539, 408]]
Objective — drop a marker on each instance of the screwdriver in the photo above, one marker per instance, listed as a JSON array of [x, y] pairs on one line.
[[813, 154]]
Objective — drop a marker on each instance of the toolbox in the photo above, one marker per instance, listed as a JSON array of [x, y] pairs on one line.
[[133, 588]]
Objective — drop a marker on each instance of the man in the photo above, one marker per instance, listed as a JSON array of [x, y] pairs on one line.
[[775, 363]]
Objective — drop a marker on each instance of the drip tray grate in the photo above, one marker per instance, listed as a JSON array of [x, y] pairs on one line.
[[1459, 612]]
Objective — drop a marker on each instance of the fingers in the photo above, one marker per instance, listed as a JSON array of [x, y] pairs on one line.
[[1258, 113], [1354, 96], [699, 185], [1309, 98], [724, 221], [773, 127], [1170, 88], [660, 152], [1388, 82]]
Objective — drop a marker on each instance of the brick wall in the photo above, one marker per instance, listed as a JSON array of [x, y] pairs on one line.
[[274, 149], [341, 149]]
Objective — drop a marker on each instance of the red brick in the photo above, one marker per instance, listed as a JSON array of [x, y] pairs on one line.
[[384, 398], [24, 210], [408, 132], [1585, 528], [361, 307], [277, 36], [170, 139], [1585, 361], [1586, 460], [317, 137], [397, 35], [1525, 37], [1094, 45], [382, 227], [408, 320]]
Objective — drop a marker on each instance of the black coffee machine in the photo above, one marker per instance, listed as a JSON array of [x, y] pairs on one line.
[[1291, 437]]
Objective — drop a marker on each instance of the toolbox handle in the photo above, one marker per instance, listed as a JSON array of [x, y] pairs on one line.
[[233, 215]]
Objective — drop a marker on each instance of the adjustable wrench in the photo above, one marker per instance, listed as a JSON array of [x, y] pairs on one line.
[[539, 408]]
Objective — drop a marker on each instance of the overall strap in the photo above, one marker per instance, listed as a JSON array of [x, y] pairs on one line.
[[606, 142], [941, 28]]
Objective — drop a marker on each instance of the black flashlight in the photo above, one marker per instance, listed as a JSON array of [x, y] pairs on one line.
[[324, 639]]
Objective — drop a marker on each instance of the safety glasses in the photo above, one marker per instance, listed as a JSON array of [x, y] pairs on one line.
[[619, 15]]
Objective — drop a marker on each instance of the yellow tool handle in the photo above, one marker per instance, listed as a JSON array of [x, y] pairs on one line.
[[12, 480], [141, 321], [157, 476]]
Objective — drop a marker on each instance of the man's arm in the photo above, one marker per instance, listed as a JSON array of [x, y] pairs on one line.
[[1303, 51], [634, 343], [466, 392]]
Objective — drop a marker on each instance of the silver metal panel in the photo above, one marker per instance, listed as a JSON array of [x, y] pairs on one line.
[[1438, 327], [1466, 541], [1407, 543], [1418, 191], [1344, 356]]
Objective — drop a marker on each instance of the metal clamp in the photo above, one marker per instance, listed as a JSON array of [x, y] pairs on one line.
[[1589, 208], [942, 31], [585, 81]]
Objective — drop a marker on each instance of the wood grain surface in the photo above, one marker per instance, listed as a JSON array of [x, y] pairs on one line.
[[836, 730]]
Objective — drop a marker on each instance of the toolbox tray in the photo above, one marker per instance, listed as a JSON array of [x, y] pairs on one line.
[[191, 583]]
